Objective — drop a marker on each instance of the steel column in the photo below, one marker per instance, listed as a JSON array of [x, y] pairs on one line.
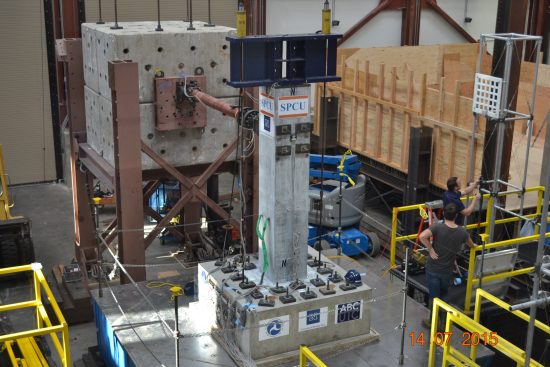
[[418, 178], [124, 84], [410, 27], [256, 16], [70, 52]]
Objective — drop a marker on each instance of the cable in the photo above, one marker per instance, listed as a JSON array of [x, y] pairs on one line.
[[136, 285]]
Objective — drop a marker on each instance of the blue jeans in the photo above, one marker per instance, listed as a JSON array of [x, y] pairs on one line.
[[438, 285]]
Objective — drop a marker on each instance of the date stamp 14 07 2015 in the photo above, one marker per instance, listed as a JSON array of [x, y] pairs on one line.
[[444, 338]]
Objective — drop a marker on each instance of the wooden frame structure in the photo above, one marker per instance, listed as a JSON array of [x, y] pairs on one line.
[[386, 91]]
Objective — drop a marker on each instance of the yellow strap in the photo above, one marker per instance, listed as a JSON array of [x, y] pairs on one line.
[[341, 166], [423, 213], [349, 178]]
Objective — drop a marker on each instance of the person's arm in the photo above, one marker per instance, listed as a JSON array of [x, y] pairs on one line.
[[468, 190], [425, 239], [470, 243], [472, 207]]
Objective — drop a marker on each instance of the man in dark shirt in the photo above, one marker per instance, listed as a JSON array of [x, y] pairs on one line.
[[455, 192], [448, 238]]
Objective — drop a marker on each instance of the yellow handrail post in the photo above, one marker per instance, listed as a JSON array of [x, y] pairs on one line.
[[303, 359], [488, 214], [395, 211], [306, 354], [446, 343], [38, 297], [66, 347], [470, 281], [477, 318], [539, 207]]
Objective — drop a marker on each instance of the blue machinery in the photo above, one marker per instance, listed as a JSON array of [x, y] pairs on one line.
[[353, 242]]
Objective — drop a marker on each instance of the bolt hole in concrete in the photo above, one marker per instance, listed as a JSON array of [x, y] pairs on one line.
[[213, 64], [181, 65], [193, 48], [150, 136], [125, 51], [224, 145], [148, 67], [194, 149], [162, 151], [224, 80], [224, 47], [213, 130], [160, 49]]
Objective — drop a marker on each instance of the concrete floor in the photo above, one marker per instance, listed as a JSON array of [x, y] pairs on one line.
[[49, 206]]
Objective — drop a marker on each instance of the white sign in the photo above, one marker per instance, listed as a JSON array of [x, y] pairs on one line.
[[267, 104], [274, 328], [267, 112], [348, 312], [293, 106], [313, 319]]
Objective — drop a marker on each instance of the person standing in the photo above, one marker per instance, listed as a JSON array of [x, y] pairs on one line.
[[448, 238], [455, 192]]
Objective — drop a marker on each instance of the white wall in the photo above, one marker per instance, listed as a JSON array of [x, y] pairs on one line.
[[304, 16]]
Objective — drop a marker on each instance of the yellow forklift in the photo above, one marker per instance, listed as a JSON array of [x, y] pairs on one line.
[[16, 247]]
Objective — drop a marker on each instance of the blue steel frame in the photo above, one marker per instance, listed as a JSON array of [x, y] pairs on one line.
[[258, 60]]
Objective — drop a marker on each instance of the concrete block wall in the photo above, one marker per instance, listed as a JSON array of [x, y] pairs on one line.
[[176, 52]]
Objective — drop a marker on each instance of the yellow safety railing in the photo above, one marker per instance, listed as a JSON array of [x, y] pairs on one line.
[[4, 197], [472, 329], [307, 355], [472, 279], [44, 324]]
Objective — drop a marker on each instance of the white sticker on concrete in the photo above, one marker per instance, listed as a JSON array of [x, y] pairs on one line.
[[313, 319], [348, 311], [267, 113], [267, 125], [274, 328], [267, 104], [293, 106]]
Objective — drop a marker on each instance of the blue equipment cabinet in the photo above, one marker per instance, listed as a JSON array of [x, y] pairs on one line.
[[354, 242]]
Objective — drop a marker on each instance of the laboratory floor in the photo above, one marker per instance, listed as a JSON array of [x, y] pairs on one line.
[[49, 206]]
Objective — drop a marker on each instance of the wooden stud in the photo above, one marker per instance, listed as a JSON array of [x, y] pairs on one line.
[[379, 112], [392, 113], [366, 106], [341, 102], [456, 114], [408, 121], [353, 125], [423, 87]]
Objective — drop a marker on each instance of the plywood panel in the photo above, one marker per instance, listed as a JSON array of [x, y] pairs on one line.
[[387, 90], [25, 119]]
